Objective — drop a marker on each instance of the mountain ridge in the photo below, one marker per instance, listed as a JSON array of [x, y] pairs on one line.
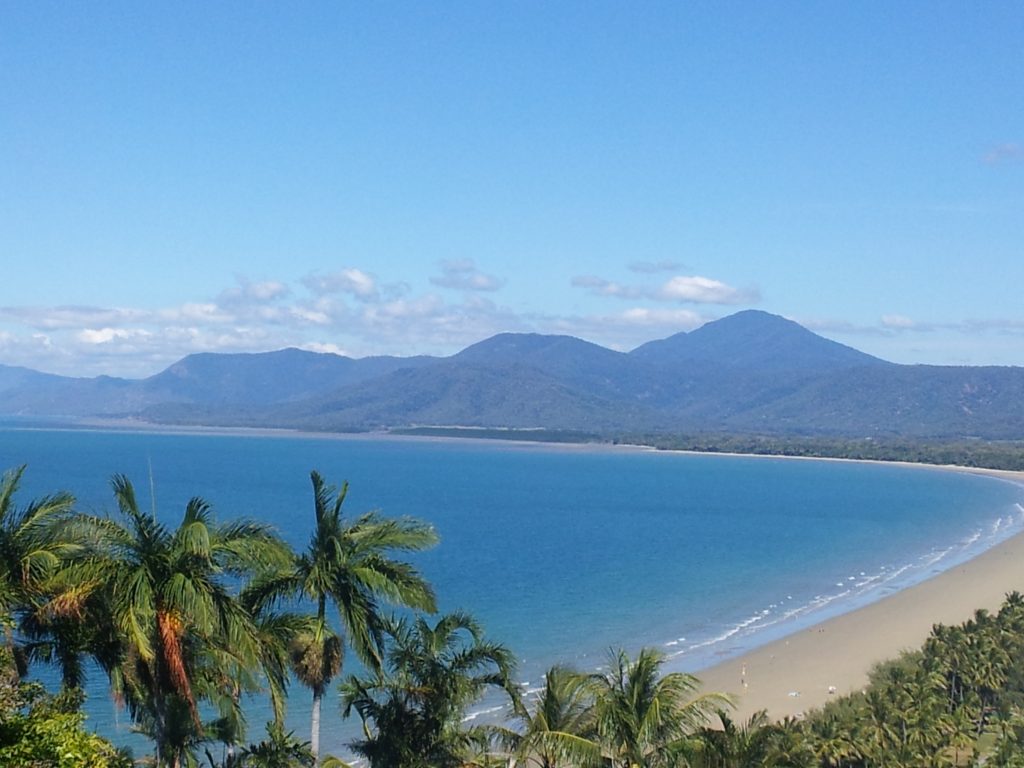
[[749, 372]]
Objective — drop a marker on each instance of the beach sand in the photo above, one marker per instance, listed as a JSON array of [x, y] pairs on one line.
[[795, 674]]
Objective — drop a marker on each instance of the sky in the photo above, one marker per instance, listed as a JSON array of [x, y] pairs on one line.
[[406, 178]]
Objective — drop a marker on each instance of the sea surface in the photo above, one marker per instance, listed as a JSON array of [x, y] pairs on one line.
[[565, 552]]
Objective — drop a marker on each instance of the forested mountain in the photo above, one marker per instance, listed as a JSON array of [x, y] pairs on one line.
[[754, 339], [751, 372]]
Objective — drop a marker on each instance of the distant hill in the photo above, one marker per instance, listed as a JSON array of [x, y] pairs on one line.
[[751, 372], [267, 378], [754, 339], [202, 383]]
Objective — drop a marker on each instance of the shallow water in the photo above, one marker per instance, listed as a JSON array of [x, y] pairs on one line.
[[566, 552]]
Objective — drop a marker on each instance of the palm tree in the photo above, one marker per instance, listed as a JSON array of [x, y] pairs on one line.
[[167, 601], [789, 746], [559, 726], [905, 716], [735, 745], [31, 545], [349, 564], [833, 737], [277, 634], [413, 709], [278, 750], [316, 657], [641, 716]]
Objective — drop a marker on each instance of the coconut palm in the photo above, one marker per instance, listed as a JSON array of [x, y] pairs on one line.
[[904, 713], [348, 564], [167, 601], [641, 716], [32, 546], [277, 633], [833, 737], [413, 708], [556, 726], [790, 746], [735, 745], [278, 750]]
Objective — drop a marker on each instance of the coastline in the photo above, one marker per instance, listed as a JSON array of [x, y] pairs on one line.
[[791, 675], [838, 651]]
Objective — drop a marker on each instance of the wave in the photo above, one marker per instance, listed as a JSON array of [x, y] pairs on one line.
[[782, 617], [473, 715]]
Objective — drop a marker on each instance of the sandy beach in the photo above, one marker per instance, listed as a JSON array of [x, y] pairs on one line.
[[795, 674]]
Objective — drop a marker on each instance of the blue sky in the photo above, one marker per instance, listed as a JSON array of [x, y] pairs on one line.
[[398, 178]]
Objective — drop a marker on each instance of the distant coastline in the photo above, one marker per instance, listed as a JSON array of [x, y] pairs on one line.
[[1013, 454], [991, 456]]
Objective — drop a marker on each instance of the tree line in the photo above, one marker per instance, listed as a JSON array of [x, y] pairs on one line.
[[187, 621], [963, 452]]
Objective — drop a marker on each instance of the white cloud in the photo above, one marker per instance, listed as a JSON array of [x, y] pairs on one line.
[[65, 317], [623, 330], [247, 292], [463, 275], [353, 281], [107, 335], [598, 286], [703, 290], [195, 313], [312, 316], [679, 319], [898, 322], [351, 312], [329, 349], [692, 289]]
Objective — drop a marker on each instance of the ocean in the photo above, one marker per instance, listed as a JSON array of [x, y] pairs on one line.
[[565, 552]]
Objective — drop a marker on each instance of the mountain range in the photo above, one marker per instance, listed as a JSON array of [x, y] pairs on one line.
[[751, 372]]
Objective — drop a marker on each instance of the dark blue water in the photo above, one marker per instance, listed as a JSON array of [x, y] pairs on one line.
[[564, 553]]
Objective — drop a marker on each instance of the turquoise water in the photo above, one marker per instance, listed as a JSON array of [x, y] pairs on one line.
[[565, 552]]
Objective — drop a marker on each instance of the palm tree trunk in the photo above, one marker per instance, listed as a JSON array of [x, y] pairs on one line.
[[318, 692], [314, 739]]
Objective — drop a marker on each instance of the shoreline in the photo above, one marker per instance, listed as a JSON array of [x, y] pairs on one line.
[[807, 668], [135, 426], [838, 651]]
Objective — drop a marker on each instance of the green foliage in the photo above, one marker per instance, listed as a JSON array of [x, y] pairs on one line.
[[932, 707], [413, 708], [278, 750], [557, 724], [42, 731], [41, 738], [347, 563], [992, 454], [630, 715], [642, 716]]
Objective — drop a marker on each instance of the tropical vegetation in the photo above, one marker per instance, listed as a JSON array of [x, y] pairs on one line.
[[187, 620], [347, 564]]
